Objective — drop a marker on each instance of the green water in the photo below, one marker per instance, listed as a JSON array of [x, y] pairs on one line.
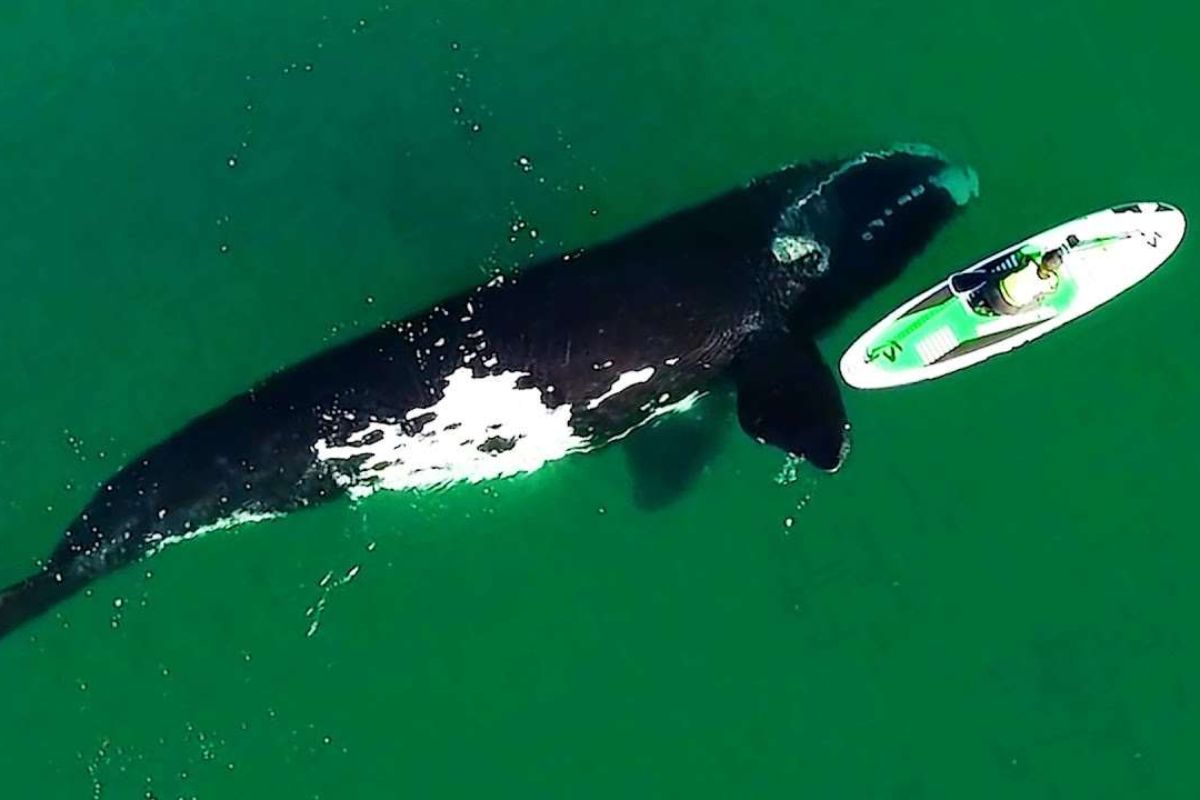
[[890, 632]]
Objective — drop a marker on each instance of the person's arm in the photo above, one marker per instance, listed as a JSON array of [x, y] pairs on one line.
[[1027, 253]]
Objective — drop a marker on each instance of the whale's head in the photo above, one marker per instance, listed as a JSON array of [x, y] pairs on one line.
[[845, 232]]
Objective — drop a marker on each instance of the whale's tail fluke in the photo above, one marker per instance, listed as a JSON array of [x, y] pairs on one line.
[[32, 597]]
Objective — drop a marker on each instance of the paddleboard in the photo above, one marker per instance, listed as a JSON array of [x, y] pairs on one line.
[[943, 330]]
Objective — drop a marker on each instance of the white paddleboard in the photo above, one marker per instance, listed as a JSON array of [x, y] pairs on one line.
[[939, 332]]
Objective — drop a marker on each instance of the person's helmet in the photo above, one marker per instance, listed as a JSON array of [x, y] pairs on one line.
[[1052, 260]]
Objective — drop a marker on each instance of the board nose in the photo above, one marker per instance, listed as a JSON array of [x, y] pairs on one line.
[[1171, 223]]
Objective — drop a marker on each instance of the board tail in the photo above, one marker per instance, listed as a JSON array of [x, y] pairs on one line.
[[32, 597]]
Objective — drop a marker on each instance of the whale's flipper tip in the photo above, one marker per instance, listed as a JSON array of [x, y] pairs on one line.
[[787, 397]]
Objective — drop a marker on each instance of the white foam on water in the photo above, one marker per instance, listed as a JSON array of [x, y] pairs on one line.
[[158, 542]]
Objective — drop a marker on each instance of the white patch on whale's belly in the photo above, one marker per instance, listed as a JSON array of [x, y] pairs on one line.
[[516, 430]]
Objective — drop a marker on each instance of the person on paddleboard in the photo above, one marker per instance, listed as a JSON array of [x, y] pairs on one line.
[[1023, 288]]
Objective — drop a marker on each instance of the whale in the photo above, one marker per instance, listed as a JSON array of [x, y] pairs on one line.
[[573, 353]]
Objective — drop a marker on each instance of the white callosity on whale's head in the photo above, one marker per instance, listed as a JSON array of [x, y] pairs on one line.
[[788, 249], [483, 427]]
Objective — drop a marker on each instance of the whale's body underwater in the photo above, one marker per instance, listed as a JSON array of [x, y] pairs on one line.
[[564, 357]]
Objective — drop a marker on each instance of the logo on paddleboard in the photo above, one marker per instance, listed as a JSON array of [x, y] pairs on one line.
[[889, 350]]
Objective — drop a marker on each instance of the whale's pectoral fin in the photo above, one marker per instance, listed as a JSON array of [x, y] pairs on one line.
[[788, 397], [667, 457]]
